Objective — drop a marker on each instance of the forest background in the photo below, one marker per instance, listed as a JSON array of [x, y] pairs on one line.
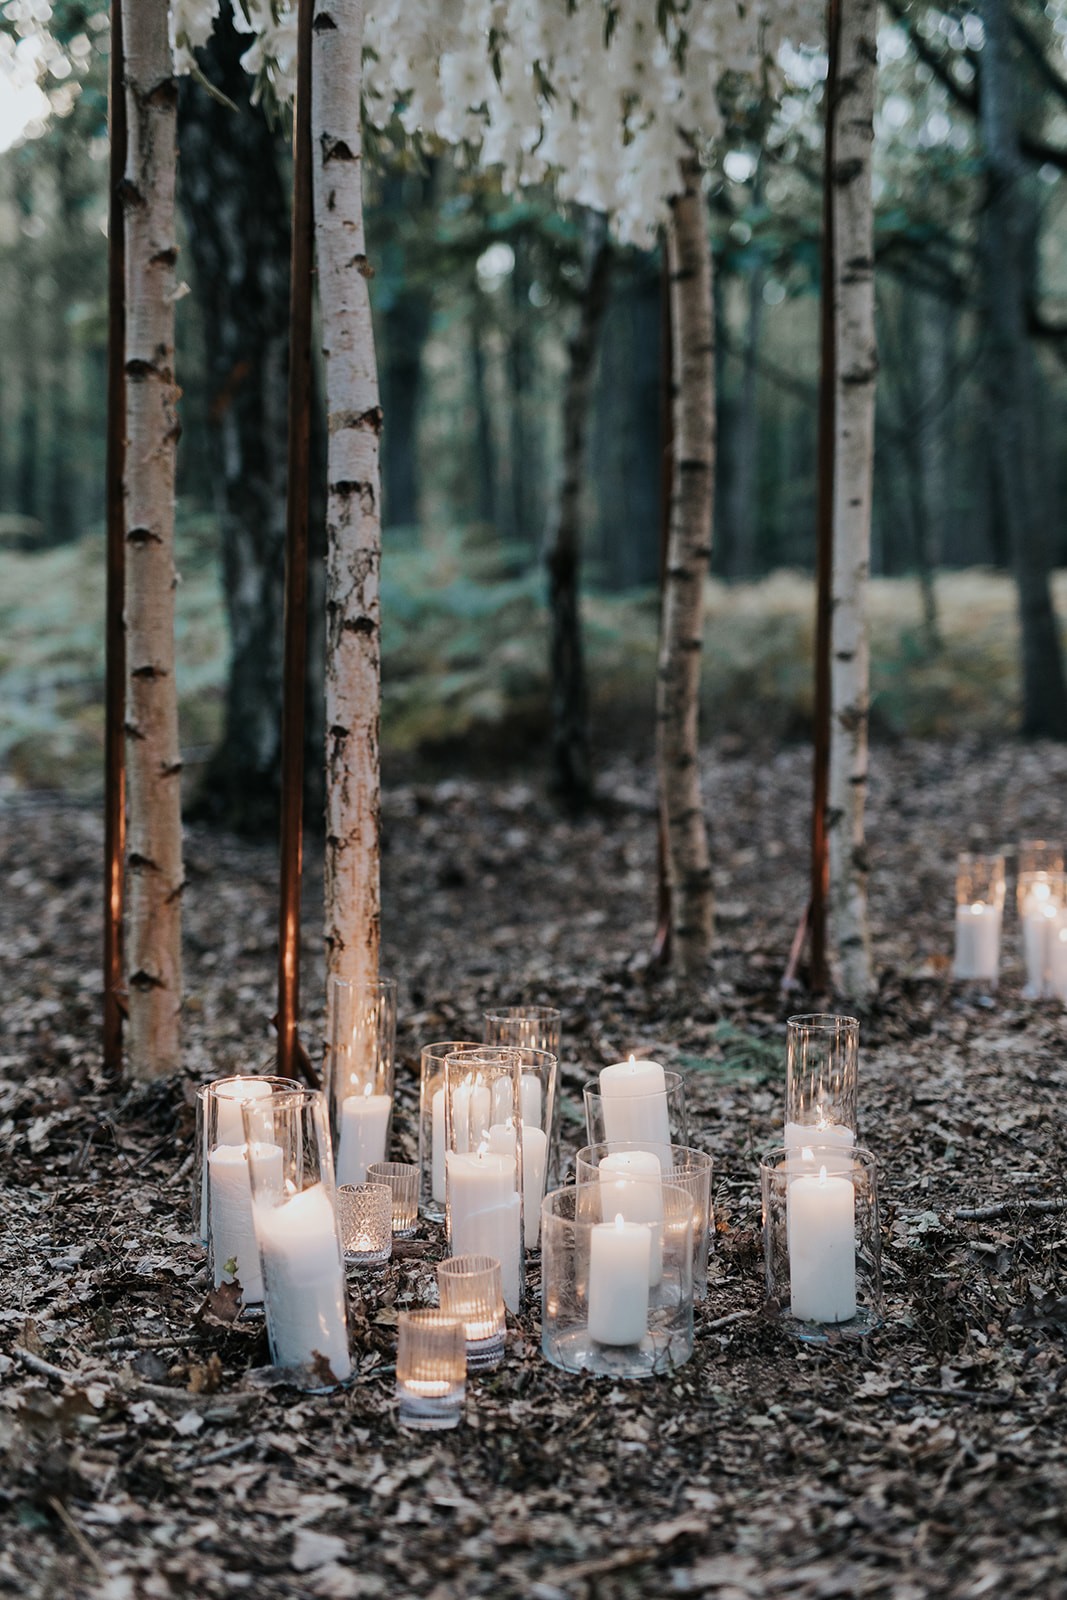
[[475, 296]]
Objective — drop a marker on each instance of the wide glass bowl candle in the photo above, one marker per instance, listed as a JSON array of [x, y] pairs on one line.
[[616, 1295], [293, 1207], [822, 1242], [431, 1369], [822, 1064], [358, 1072], [623, 1164], [637, 1102], [979, 911], [484, 1148], [432, 1123], [469, 1288], [534, 1028]]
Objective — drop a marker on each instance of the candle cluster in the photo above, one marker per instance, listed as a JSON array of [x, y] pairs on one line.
[[1041, 898]]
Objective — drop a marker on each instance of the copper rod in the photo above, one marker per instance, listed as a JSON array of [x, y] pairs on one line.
[[292, 1058], [115, 636]]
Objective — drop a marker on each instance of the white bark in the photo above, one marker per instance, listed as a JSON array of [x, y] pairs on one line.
[[688, 554], [154, 843], [353, 515], [854, 390]]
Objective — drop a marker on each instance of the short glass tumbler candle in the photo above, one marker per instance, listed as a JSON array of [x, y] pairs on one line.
[[484, 1161], [365, 1218], [637, 1102], [1042, 897], [296, 1230], [621, 1166], [402, 1181], [431, 1369], [979, 911], [616, 1296], [822, 1063], [358, 1076], [821, 1241], [469, 1288], [534, 1028], [432, 1123], [224, 1196]]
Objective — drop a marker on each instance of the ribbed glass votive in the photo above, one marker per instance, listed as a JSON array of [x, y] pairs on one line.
[[365, 1217], [402, 1180], [469, 1288], [431, 1369]]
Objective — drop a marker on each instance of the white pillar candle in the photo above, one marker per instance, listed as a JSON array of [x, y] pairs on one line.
[[363, 1134], [833, 1135], [304, 1280], [484, 1210], [229, 1125], [531, 1101], [1039, 932], [635, 1104], [619, 1266], [822, 1247], [437, 1170], [501, 1140], [233, 1234], [977, 942], [1057, 974], [472, 1105], [503, 1097], [631, 1186]]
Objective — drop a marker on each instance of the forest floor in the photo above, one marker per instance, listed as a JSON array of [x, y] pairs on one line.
[[140, 1455]]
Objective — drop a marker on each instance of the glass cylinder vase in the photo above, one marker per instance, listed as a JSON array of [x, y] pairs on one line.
[[620, 1164], [822, 1244], [1042, 900], [484, 1150], [822, 1066], [637, 1102], [293, 1206], [534, 1028], [432, 1058], [979, 912], [358, 1072]]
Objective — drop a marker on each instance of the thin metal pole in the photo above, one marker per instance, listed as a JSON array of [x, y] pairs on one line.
[[292, 1057], [820, 861], [115, 635]]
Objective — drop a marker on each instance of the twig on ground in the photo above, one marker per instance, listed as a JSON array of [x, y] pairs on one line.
[[722, 1322], [78, 1536], [1003, 1208]]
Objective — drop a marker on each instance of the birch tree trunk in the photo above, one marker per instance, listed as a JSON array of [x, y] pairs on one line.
[[154, 841], [353, 507], [688, 555], [856, 368]]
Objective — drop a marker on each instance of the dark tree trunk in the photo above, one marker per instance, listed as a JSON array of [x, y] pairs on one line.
[[61, 496], [743, 516], [1006, 244], [405, 327], [523, 474], [486, 489], [237, 213], [570, 715]]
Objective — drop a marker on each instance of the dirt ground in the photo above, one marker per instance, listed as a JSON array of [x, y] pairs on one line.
[[142, 1452]]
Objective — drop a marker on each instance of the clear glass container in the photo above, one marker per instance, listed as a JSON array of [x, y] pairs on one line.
[[469, 1287], [1038, 855], [365, 1218], [432, 1123], [1042, 899], [979, 913], [822, 1244], [431, 1369], [616, 1295], [631, 1104], [534, 1028], [688, 1169], [822, 1064], [484, 1151], [358, 1072], [290, 1164], [402, 1181]]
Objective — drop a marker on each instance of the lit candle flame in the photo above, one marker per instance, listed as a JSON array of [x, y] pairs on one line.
[[483, 1148], [368, 1091], [632, 1060], [822, 1176], [620, 1221], [807, 1153]]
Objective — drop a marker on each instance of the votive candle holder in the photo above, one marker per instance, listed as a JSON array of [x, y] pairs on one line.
[[431, 1369], [432, 1058], [822, 1242], [365, 1218], [358, 1071], [402, 1181], [469, 1288], [688, 1169]]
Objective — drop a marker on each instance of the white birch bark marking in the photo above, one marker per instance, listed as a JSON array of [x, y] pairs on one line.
[[154, 842], [353, 514], [857, 367], [688, 554]]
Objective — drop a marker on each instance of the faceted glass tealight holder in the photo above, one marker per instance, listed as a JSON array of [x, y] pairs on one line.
[[432, 1123], [821, 1242], [223, 1196], [402, 1181], [534, 1028], [979, 912], [822, 1063], [365, 1218], [358, 1072], [469, 1288], [654, 1121], [616, 1295], [290, 1164], [1042, 899], [484, 1161], [431, 1369], [688, 1169]]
